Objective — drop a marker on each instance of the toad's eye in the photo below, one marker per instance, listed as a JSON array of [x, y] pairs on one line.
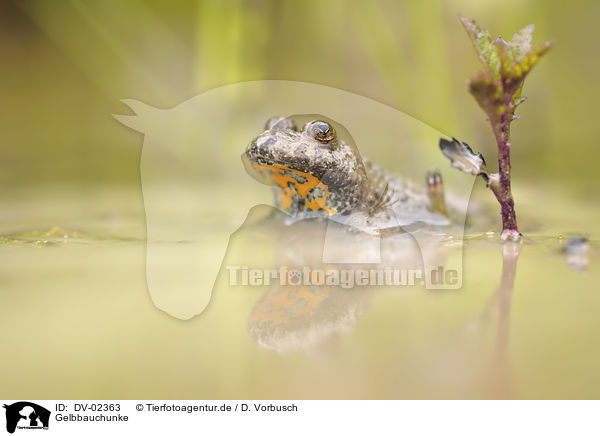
[[321, 131]]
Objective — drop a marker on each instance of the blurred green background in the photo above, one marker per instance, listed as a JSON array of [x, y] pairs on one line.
[[67, 64]]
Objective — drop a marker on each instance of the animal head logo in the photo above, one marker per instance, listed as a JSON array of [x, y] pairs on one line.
[[26, 415]]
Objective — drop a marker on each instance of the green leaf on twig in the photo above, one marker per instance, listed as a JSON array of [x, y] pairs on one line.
[[521, 43], [498, 88], [486, 50]]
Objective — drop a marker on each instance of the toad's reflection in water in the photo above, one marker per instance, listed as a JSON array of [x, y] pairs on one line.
[[311, 312], [310, 318]]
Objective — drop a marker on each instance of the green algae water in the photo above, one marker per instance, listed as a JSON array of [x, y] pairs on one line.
[[76, 313]]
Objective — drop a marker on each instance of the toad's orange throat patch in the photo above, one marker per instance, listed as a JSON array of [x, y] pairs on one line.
[[296, 189]]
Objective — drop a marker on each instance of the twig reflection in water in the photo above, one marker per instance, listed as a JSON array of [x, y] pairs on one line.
[[500, 302]]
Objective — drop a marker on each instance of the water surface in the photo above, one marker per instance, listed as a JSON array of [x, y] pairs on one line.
[[78, 320]]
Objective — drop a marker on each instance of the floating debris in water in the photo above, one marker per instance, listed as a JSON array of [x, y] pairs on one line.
[[57, 236], [577, 250], [40, 238]]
